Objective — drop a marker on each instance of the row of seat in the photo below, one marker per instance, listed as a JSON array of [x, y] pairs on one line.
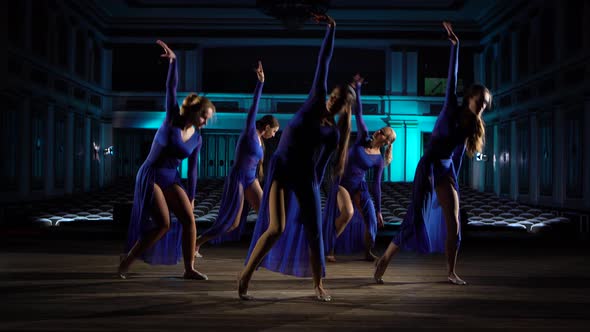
[[483, 210]]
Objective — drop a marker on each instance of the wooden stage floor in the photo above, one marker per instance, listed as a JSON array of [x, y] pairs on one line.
[[67, 283]]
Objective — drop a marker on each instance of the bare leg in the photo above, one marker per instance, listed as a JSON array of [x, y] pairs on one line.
[[346, 212], [253, 195], [179, 204], [449, 201], [161, 218], [276, 226], [207, 237], [310, 203], [382, 263]]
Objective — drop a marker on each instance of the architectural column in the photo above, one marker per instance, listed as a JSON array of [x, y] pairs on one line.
[[106, 68], [105, 173], [87, 154], [478, 67], [395, 74], [534, 159], [411, 73], [49, 172], [72, 48], [397, 168], [514, 57], [180, 66], [513, 155], [559, 171], [24, 175], [496, 160], [413, 148], [69, 153], [191, 72], [199, 70], [106, 111], [478, 175]]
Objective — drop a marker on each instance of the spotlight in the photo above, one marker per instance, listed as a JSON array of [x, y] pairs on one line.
[[481, 157], [109, 151]]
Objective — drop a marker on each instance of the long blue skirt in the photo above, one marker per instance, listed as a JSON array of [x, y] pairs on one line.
[[231, 201], [423, 229], [290, 254], [352, 239], [168, 250]]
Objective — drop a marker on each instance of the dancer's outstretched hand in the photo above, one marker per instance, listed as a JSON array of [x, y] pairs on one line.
[[450, 33], [358, 80], [168, 53], [318, 18], [260, 72]]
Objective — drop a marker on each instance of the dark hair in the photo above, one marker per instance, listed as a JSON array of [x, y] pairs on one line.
[[472, 123], [267, 120]]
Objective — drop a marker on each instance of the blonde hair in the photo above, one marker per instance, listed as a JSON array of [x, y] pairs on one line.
[[476, 134], [194, 103], [387, 156]]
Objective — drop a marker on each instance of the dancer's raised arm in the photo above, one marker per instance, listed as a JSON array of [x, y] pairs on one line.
[[171, 82], [362, 130], [451, 91], [319, 87], [251, 119]]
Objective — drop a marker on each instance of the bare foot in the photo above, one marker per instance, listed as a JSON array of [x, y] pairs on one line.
[[243, 290], [122, 273], [331, 259], [380, 268], [197, 253], [122, 270], [370, 256], [194, 275], [321, 295], [454, 279]]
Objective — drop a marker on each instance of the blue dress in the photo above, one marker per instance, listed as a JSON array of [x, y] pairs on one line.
[[353, 180], [298, 165], [242, 175], [161, 168], [423, 228]]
